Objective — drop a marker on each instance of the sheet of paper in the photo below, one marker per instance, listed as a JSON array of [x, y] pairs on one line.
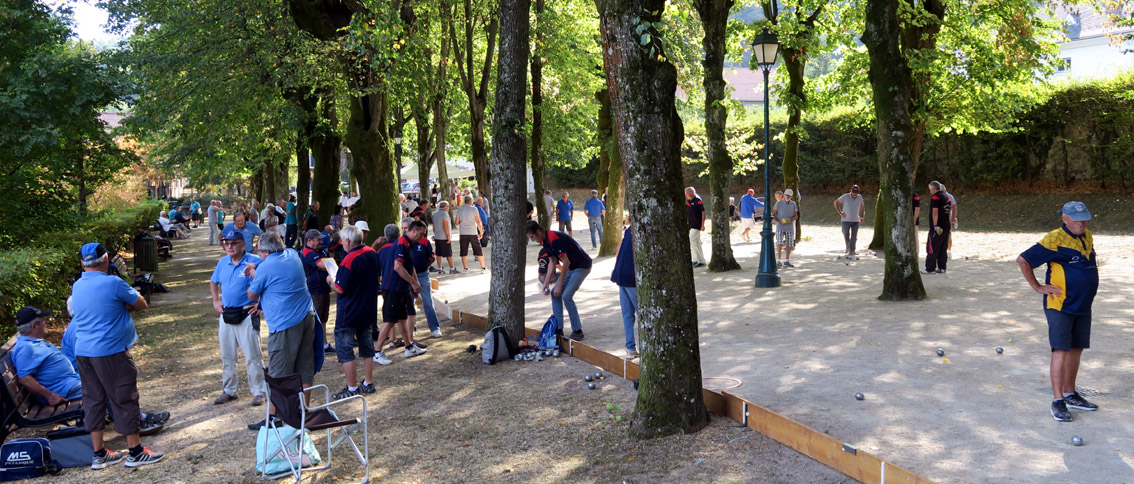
[[332, 267]]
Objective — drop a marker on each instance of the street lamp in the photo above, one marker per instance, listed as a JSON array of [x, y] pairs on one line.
[[765, 47]]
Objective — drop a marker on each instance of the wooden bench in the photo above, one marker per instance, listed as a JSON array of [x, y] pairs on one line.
[[144, 283], [20, 408]]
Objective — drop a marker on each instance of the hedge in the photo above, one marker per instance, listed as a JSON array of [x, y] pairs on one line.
[[41, 273]]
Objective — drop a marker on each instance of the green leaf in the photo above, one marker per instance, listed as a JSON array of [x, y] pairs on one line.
[[646, 38]]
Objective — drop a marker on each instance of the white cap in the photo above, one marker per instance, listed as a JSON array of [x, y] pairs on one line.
[[362, 225], [789, 193]]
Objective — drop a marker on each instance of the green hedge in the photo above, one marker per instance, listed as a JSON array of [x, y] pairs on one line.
[[41, 273]]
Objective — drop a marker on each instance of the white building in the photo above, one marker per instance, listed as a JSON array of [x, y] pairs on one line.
[[1089, 52]]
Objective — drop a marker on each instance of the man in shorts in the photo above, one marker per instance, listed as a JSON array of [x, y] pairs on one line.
[[1068, 290], [399, 286], [443, 237], [357, 290], [785, 212], [471, 229], [748, 206]]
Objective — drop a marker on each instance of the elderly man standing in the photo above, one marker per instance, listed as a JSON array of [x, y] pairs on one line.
[[357, 289], [1068, 291], [316, 272], [195, 212], [104, 333], [249, 231], [695, 213], [254, 213], [936, 245], [291, 222], [563, 210], [443, 236], [852, 210], [470, 228], [214, 234], [281, 287], [239, 324], [595, 209]]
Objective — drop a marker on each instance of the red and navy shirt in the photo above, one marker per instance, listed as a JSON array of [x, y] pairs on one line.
[[422, 252], [558, 243], [544, 261], [916, 204], [358, 304], [940, 201], [316, 279], [401, 250], [695, 212]]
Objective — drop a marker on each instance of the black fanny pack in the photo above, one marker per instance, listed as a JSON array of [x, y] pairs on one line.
[[234, 314]]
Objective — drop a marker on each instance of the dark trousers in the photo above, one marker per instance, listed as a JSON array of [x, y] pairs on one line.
[[936, 250], [292, 235], [110, 380]]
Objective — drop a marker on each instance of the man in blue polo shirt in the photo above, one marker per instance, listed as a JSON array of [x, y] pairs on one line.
[[249, 231], [104, 333], [195, 212], [563, 210], [357, 290], [1068, 292], [399, 286], [576, 265], [239, 324], [40, 367], [281, 287], [595, 209], [291, 222], [623, 276]]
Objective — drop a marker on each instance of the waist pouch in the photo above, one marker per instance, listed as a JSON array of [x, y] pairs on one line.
[[234, 314]]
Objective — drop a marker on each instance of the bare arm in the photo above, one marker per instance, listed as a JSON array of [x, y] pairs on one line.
[[838, 206], [214, 289], [408, 275], [140, 304], [933, 216], [1030, 276], [32, 385], [448, 233]]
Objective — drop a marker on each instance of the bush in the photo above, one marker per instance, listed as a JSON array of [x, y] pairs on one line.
[[41, 273]]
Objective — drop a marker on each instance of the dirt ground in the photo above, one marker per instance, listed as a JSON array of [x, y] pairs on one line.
[[442, 417], [806, 348]]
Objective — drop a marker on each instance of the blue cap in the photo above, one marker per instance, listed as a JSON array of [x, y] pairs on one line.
[[233, 235], [1076, 210], [91, 252]]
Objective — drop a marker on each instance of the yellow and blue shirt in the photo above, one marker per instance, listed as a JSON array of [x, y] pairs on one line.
[[1071, 266]]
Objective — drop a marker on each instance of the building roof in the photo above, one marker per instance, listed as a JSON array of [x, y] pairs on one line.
[[1086, 23], [112, 119], [747, 84]]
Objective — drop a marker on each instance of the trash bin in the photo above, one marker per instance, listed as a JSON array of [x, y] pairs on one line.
[[145, 254]]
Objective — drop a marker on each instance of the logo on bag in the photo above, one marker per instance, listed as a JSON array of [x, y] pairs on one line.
[[21, 457]]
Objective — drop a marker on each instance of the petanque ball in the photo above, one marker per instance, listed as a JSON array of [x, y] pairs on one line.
[[590, 386], [999, 350], [598, 375], [587, 378], [859, 396], [1076, 440], [940, 352]]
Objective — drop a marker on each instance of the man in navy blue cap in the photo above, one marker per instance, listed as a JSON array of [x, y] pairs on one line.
[[239, 319], [1068, 291], [104, 333]]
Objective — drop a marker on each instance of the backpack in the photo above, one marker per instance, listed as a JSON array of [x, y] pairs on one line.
[[547, 337], [26, 458], [497, 346]]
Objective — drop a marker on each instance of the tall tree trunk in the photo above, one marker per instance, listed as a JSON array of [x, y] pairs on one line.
[[303, 178], [367, 137], [423, 144], [268, 180], [325, 147], [642, 87], [257, 183], [539, 173], [283, 175], [509, 184], [612, 160], [714, 19], [794, 61], [397, 130], [476, 92], [891, 81], [440, 121]]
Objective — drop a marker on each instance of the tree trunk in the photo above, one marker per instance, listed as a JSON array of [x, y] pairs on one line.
[[612, 160], [891, 81], [424, 143], [303, 178], [268, 181], [257, 183], [366, 137], [642, 87], [539, 173], [509, 184], [440, 121], [714, 19], [325, 147], [477, 93], [794, 62], [283, 175]]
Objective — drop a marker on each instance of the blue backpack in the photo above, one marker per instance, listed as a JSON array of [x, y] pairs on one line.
[[547, 337], [26, 458]]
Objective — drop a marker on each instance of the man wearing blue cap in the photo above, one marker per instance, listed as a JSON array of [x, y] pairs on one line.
[[249, 231], [104, 333], [1068, 291], [239, 319]]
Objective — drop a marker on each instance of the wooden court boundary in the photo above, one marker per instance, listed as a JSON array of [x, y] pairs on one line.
[[841, 456]]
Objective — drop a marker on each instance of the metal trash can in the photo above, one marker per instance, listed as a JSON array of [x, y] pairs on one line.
[[145, 254]]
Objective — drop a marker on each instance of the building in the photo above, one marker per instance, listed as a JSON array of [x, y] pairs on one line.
[[747, 86], [1091, 50]]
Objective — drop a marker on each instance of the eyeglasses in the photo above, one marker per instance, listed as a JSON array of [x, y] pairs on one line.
[[230, 242]]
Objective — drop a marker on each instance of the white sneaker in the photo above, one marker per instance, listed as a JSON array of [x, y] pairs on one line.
[[381, 359], [413, 351], [436, 333], [631, 354]]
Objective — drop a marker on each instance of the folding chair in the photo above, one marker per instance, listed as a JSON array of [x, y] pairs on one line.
[[286, 394]]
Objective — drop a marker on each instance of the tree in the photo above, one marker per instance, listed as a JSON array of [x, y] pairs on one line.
[[610, 178], [509, 182], [539, 174], [475, 90], [642, 86], [892, 82], [714, 21]]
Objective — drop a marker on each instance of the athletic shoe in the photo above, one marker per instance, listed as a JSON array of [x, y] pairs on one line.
[[224, 398], [1059, 411], [484, 270], [257, 400], [159, 417], [145, 457], [366, 388], [150, 428], [344, 393], [381, 359], [923, 271], [419, 344], [255, 427], [949, 255], [328, 349], [1077, 402], [454, 271], [436, 333], [779, 264], [631, 354], [577, 335], [466, 270], [398, 343], [787, 263], [698, 264], [940, 271], [434, 269], [107, 460], [413, 351]]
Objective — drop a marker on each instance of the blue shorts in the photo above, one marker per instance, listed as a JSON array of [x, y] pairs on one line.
[[1068, 331], [346, 339]]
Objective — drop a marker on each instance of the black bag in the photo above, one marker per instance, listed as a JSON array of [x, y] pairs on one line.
[[72, 450], [26, 458], [234, 314], [497, 346]]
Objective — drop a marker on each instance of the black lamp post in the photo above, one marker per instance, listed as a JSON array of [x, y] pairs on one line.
[[765, 47]]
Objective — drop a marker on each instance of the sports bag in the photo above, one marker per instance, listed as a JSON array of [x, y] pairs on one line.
[[26, 458], [497, 346], [547, 336]]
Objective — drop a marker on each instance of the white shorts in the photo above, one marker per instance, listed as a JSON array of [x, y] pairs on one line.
[[747, 222]]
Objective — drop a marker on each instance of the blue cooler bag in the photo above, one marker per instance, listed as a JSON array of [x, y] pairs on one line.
[[26, 458]]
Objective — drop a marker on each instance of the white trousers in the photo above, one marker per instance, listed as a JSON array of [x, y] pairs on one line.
[[698, 253], [247, 339]]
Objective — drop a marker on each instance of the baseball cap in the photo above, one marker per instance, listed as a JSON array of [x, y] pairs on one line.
[[751, 191], [1076, 210], [312, 234], [28, 314], [91, 252], [362, 225], [233, 235], [789, 193], [854, 189]]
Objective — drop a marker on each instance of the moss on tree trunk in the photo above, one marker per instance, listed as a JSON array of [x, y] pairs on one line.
[[614, 183], [539, 173]]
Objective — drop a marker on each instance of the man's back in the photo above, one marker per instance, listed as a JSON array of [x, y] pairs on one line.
[[468, 214], [440, 217]]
